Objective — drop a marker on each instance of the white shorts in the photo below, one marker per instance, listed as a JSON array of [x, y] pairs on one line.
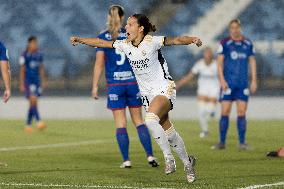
[[168, 90], [211, 92]]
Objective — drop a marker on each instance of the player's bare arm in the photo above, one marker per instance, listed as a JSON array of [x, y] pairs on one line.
[[182, 40], [42, 76], [184, 80], [220, 60], [22, 78], [93, 42], [98, 69], [6, 75], [253, 85]]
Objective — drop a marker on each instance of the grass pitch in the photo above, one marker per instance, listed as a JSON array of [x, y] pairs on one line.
[[84, 154]]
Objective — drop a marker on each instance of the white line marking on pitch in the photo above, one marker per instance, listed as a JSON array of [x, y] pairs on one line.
[[72, 186], [264, 185], [59, 145]]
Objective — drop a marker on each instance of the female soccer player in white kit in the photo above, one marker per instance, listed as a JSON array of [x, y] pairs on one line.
[[208, 87], [155, 84]]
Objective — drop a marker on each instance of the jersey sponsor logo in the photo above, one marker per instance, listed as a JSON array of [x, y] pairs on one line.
[[143, 53], [235, 55], [139, 64], [123, 75], [113, 97], [33, 64]]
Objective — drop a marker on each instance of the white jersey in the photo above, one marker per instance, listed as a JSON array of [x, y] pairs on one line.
[[147, 61], [208, 82], [149, 66]]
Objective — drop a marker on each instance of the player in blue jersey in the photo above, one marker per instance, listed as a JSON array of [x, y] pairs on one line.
[[6, 75], [235, 55], [5, 70], [32, 79], [122, 88]]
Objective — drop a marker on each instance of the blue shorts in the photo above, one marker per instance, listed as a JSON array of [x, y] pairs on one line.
[[121, 96], [33, 90], [235, 93]]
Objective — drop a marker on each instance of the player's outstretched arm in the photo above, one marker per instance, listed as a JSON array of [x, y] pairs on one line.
[[6, 75], [93, 42], [184, 80], [183, 40]]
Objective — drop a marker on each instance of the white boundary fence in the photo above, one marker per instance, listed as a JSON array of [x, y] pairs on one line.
[[262, 108]]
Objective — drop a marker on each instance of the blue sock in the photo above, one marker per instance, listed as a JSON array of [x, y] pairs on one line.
[[145, 139], [36, 114], [242, 125], [123, 142], [223, 126], [30, 116]]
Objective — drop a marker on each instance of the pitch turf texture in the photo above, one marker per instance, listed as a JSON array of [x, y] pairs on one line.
[[85, 154]]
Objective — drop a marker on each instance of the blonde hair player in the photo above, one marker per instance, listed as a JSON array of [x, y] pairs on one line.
[[155, 83], [208, 87], [122, 88]]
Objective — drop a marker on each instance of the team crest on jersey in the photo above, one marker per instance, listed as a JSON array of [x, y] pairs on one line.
[[144, 53]]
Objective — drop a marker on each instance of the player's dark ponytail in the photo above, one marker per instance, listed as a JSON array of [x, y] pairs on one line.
[[144, 21]]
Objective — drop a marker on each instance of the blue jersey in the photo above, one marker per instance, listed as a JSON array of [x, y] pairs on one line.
[[236, 56], [32, 63], [3, 53], [117, 68]]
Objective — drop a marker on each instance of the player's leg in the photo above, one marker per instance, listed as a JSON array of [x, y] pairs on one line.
[[242, 123], [117, 103], [242, 96], [177, 144], [203, 115], [226, 106], [144, 135], [134, 102], [159, 106], [122, 136]]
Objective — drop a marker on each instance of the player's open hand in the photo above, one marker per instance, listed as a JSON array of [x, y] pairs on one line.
[[7, 95], [253, 87], [74, 40], [197, 42], [95, 93]]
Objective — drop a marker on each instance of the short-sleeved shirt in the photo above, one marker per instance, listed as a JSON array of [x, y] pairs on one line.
[[117, 68], [236, 56], [3, 53], [147, 62], [32, 63], [207, 74]]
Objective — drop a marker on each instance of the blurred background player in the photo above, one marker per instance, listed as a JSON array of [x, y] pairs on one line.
[[32, 79], [6, 75], [235, 54], [122, 88], [208, 87]]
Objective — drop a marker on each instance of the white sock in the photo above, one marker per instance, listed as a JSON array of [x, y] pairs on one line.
[[158, 133], [211, 108], [203, 116], [177, 144]]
